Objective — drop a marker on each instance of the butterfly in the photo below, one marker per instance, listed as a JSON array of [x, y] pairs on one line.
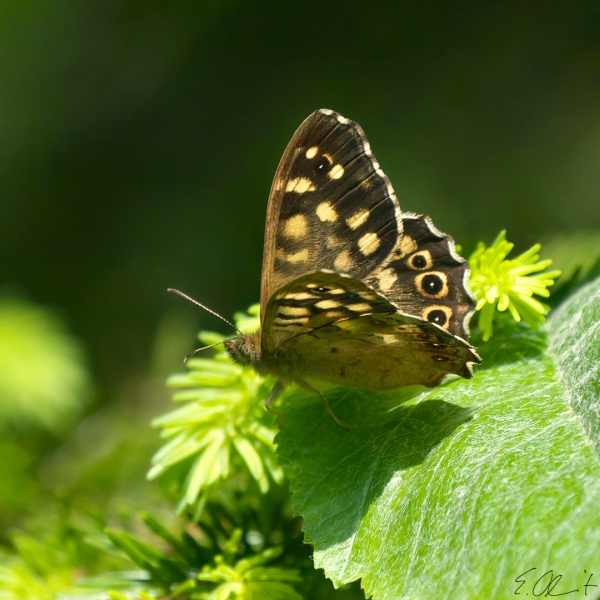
[[353, 290]]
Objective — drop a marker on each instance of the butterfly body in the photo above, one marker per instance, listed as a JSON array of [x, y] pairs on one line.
[[353, 291]]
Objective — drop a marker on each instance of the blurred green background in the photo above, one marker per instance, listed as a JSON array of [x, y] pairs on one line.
[[139, 140]]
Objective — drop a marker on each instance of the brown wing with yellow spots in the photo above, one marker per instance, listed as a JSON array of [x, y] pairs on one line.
[[425, 277], [334, 328], [330, 206]]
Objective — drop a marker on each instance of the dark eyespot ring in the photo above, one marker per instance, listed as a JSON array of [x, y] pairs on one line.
[[432, 284], [438, 317], [323, 289], [419, 261]]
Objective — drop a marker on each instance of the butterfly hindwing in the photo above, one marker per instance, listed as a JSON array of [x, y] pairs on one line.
[[333, 328], [425, 277], [330, 207], [316, 300]]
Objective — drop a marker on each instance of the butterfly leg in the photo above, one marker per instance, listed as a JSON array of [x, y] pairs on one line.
[[275, 393], [309, 388]]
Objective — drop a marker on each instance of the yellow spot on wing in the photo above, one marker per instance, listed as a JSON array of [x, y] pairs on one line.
[[336, 172], [332, 242], [342, 261], [358, 218], [297, 322], [312, 152], [366, 184], [326, 212], [293, 311], [387, 278], [359, 307], [295, 227], [368, 243], [301, 256], [344, 324], [370, 296], [407, 246], [299, 296], [325, 304], [299, 185], [335, 314], [388, 338]]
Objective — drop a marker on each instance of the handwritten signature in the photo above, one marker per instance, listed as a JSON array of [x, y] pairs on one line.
[[548, 584]]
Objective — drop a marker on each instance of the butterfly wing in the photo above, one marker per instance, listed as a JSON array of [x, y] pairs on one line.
[[425, 277], [330, 206], [313, 301], [334, 328]]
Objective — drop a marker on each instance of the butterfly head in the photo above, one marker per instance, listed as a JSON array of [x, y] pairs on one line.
[[244, 350]]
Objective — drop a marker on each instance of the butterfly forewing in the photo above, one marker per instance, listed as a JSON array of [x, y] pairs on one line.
[[330, 207]]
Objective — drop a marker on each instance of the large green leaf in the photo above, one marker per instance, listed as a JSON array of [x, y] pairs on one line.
[[457, 491]]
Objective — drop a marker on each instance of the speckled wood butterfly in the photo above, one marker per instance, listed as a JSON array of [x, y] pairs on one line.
[[353, 290]]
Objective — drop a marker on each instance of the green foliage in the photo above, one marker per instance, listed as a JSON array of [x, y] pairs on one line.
[[457, 491], [43, 380], [249, 578], [43, 387], [48, 561], [500, 284], [207, 565], [574, 340], [223, 574], [223, 414]]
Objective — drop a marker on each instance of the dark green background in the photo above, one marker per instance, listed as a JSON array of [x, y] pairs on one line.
[[138, 139]]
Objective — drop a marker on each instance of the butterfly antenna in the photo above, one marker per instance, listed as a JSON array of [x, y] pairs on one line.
[[212, 312], [188, 356]]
